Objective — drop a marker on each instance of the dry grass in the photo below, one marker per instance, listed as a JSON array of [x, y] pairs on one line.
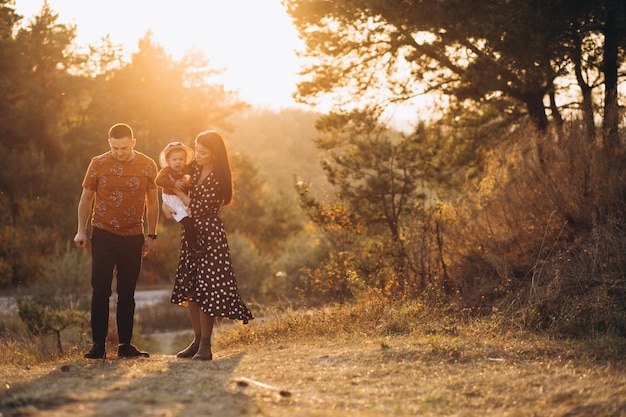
[[366, 360]]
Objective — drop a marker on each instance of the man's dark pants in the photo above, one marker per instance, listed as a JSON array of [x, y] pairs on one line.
[[111, 252]]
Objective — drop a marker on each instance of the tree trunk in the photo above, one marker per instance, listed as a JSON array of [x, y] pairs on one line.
[[610, 137], [59, 344], [536, 110], [554, 110], [585, 90]]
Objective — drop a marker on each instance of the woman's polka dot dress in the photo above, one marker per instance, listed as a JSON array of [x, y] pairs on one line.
[[208, 279]]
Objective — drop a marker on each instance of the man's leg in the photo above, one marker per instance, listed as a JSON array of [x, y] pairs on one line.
[[102, 264], [129, 258]]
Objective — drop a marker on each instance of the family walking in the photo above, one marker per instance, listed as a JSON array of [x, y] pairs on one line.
[[119, 187]]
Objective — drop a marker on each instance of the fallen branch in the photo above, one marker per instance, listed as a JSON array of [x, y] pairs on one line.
[[244, 382]]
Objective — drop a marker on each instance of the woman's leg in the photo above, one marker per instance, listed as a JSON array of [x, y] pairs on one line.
[[204, 350], [194, 315]]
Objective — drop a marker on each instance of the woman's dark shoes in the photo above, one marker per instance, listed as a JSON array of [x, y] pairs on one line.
[[97, 351], [203, 357], [204, 351], [127, 350], [190, 350]]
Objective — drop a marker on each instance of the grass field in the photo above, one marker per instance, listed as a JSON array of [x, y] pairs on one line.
[[272, 367]]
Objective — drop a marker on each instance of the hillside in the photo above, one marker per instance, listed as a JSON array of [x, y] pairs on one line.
[[448, 373]]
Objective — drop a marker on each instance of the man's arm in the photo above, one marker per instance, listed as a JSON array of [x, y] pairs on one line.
[[152, 218], [84, 209]]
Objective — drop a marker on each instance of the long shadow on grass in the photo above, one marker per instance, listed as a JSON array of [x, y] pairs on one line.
[[188, 387], [115, 387]]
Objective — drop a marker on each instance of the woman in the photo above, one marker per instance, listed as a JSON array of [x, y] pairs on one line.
[[205, 281]]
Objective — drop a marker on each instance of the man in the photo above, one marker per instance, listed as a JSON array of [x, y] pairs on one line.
[[120, 186]]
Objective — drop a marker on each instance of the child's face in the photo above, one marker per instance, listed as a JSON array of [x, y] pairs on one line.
[[176, 160]]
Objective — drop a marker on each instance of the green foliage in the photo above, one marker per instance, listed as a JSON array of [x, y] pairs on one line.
[[471, 209], [162, 99], [35, 198], [379, 180], [59, 299], [252, 268], [46, 144], [265, 216], [44, 60], [42, 320], [65, 281], [270, 241], [160, 266], [376, 175], [529, 220], [384, 51], [336, 279], [300, 254]]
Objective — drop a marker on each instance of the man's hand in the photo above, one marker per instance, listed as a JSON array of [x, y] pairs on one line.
[[80, 240], [148, 246]]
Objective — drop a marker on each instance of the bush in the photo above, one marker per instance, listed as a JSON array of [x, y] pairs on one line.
[[544, 234], [59, 299], [42, 320], [65, 281]]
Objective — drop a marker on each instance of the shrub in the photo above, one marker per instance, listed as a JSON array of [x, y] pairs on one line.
[[42, 320], [544, 233]]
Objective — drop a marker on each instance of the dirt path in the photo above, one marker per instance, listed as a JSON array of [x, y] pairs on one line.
[[399, 376]]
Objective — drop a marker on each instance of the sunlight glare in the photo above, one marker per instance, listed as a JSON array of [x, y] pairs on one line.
[[253, 40]]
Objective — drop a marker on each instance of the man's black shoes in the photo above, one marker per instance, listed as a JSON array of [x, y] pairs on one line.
[[96, 352], [127, 350]]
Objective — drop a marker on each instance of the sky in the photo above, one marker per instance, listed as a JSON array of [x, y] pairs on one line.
[[252, 40]]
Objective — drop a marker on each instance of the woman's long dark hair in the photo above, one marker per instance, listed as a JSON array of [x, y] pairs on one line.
[[212, 140]]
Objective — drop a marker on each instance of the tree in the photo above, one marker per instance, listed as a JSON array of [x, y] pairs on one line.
[[59, 299], [477, 50], [614, 30], [9, 67], [56, 105], [42, 320], [45, 57], [28, 214], [594, 44], [378, 180], [163, 99], [376, 175]]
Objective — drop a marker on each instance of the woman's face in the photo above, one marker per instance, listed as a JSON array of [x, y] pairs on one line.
[[204, 155]]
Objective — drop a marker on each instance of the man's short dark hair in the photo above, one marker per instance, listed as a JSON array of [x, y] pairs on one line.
[[120, 131]]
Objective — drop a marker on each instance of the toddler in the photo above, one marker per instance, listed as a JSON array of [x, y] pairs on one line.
[[175, 175]]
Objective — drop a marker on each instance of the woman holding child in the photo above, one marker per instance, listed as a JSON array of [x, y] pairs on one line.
[[205, 282]]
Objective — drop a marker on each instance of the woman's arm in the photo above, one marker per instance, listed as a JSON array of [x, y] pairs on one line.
[[183, 196], [168, 212]]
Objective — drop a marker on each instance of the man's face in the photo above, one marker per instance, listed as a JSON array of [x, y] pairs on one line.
[[122, 149]]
